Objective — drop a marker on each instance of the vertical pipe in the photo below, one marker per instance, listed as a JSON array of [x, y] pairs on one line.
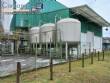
[[36, 47], [56, 36], [14, 15], [12, 48], [14, 7], [66, 50], [46, 48], [40, 47], [36, 52], [85, 51], [54, 42], [77, 52], [17, 47], [61, 46], [50, 49], [56, 45], [40, 38]]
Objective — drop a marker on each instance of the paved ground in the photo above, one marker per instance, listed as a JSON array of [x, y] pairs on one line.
[[8, 64]]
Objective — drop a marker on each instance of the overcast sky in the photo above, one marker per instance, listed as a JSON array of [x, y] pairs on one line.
[[102, 7]]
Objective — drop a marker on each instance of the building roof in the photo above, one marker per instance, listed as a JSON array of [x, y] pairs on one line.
[[89, 13]]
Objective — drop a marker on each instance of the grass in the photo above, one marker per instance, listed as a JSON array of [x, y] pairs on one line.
[[99, 72]]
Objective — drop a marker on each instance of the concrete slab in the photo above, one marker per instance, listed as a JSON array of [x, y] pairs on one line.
[[8, 64]]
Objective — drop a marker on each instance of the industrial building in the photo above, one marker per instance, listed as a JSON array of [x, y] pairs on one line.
[[74, 29], [106, 43]]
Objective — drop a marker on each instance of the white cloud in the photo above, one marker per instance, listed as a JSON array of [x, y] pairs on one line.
[[22, 1], [72, 3]]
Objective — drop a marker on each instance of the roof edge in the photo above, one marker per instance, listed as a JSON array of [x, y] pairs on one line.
[[106, 23]]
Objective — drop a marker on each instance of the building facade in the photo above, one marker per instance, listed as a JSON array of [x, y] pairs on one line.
[[53, 11], [106, 43]]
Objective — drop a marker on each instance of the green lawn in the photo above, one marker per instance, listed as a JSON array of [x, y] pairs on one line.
[[99, 72]]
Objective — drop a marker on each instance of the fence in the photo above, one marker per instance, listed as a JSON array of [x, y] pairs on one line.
[[51, 64], [39, 53], [20, 65]]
